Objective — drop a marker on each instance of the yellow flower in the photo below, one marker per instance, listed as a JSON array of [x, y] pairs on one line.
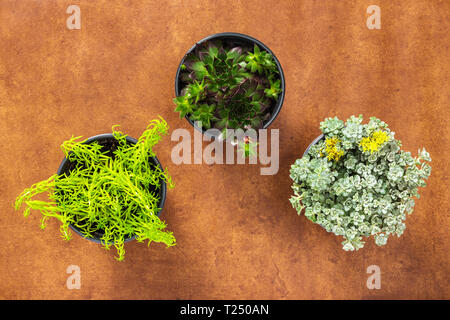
[[332, 150], [373, 143]]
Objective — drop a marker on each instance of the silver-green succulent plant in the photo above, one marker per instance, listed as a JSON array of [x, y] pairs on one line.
[[356, 182]]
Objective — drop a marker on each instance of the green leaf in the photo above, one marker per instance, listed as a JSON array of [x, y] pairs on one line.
[[200, 70], [182, 106], [213, 51], [208, 60], [256, 50], [198, 66], [234, 53]]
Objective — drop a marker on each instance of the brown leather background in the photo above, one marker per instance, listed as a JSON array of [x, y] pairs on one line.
[[237, 234]]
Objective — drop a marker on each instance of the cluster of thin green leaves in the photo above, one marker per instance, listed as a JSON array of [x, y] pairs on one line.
[[110, 195]]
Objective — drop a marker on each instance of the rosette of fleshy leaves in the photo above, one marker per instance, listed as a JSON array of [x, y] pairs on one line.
[[356, 182], [228, 87]]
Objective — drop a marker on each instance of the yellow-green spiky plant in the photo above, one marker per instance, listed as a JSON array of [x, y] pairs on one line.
[[114, 196]]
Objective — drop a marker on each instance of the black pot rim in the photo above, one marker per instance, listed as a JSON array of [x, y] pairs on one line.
[[163, 190], [280, 100], [315, 141]]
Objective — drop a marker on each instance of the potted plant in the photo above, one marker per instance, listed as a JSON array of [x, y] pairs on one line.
[[355, 181], [229, 81], [109, 189]]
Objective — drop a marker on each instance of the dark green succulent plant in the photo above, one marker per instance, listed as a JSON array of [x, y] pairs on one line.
[[228, 87]]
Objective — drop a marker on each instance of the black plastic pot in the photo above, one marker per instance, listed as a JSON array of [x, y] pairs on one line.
[[315, 141], [109, 143], [236, 39]]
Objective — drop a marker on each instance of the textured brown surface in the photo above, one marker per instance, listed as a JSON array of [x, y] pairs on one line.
[[238, 236]]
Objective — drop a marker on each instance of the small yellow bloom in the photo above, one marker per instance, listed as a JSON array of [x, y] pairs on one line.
[[373, 143], [332, 150]]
